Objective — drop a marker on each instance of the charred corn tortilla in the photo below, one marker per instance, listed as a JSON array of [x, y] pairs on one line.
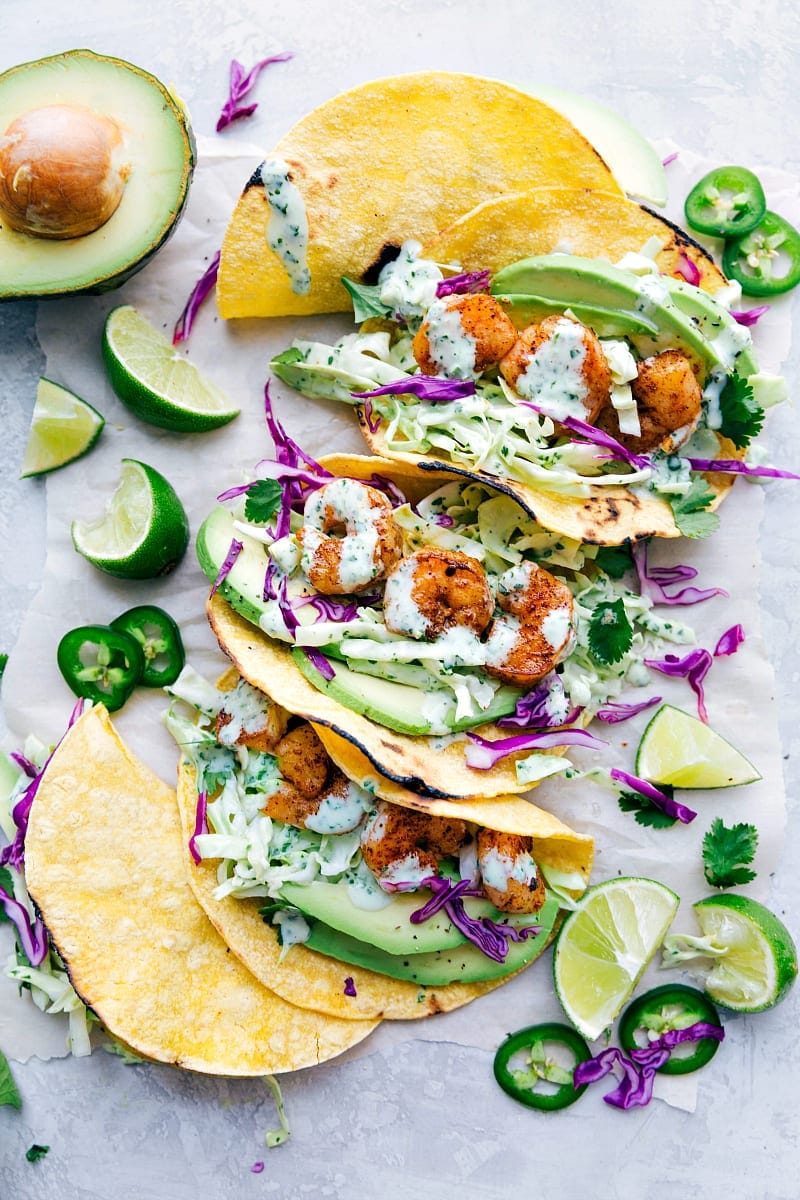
[[105, 863], [396, 158]]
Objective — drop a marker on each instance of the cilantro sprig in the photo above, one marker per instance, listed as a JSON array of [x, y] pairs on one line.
[[366, 300], [742, 415], [726, 852], [689, 510], [610, 632], [35, 1152], [645, 812], [614, 560], [263, 501], [9, 1092]]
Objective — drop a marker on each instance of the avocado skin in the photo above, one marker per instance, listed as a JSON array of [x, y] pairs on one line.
[[115, 279]]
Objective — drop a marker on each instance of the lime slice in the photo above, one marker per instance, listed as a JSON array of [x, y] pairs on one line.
[[63, 428], [678, 749], [604, 946], [760, 960], [143, 531], [157, 383]]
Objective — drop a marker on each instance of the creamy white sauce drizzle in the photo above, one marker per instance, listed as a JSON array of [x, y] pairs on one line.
[[502, 639], [294, 928], [402, 612], [248, 710], [364, 891], [452, 349], [349, 502], [557, 628], [287, 228], [408, 283], [341, 811], [553, 376], [498, 869]]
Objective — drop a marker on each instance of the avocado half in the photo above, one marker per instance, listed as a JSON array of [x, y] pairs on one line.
[[153, 156]]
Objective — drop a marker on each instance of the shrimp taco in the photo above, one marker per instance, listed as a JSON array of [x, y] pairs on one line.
[[343, 902], [446, 636]]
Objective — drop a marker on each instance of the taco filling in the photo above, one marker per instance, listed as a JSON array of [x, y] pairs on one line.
[[560, 374], [428, 897]]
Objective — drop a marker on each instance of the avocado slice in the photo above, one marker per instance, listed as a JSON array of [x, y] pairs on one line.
[[606, 322], [155, 159], [462, 964], [243, 587]]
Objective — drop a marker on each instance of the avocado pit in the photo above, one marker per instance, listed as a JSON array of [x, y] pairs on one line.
[[60, 171]]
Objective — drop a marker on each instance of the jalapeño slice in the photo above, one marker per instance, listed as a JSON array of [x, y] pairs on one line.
[[727, 202], [100, 664], [765, 261], [542, 1080], [672, 1006], [160, 640]]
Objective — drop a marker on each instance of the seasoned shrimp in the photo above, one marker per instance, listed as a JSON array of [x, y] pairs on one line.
[[435, 589], [338, 807], [668, 398], [537, 630], [349, 538], [400, 845], [249, 718], [560, 365], [511, 879], [462, 336], [303, 761]]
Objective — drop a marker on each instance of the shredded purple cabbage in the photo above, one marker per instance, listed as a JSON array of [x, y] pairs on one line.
[[330, 609], [234, 551], [424, 387], [693, 667], [532, 711], [730, 642], [287, 612], [32, 935], [25, 764], [749, 316], [257, 1168], [460, 285], [239, 86], [489, 936], [614, 712], [200, 825], [350, 987], [322, 664], [689, 270], [482, 755], [669, 159], [204, 285], [732, 466], [386, 486], [653, 581], [287, 450], [660, 799], [639, 1067], [373, 422], [596, 436]]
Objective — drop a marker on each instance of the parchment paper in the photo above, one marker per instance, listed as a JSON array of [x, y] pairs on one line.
[[740, 690]]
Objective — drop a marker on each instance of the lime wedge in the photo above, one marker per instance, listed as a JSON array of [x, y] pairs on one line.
[[604, 946], [678, 749], [157, 383], [759, 963], [63, 428], [143, 531]]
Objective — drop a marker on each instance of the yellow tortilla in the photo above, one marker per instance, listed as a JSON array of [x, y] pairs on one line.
[[105, 865], [393, 159]]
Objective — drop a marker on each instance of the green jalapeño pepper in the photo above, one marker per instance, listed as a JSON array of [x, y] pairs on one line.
[[672, 1006], [765, 261], [160, 641], [727, 202], [101, 664], [534, 1049]]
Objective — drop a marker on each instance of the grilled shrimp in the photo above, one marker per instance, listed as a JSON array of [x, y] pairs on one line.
[[536, 630], [314, 794], [462, 336], [668, 398], [435, 589], [560, 365], [249, 718], [400, 845], [303, 761], [349, 538], [511, 879]]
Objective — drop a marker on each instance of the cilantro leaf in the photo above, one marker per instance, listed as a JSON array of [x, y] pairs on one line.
[[366, 299], [645, 811], [35, 1152], [742, 415], [263, 501], [3, 662], [688, 510], [614, 560], [9, 1092], [7, 883], [610, 632], [726, 852], [292, 355]]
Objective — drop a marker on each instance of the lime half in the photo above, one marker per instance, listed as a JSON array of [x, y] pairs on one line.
[[63, 428], [157, 383], [759, 963], [604, 946], [143, 531], [679, 750]]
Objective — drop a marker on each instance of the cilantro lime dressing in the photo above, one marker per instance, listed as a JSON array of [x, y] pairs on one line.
[[729, 343], [498, 869], [652, 295], [502, 639], [348, 501], [340, 812], [287, 228], [553, 376], [285, 553], [363, 889], [557, 628], [408, 283], [399, 606], [452, 349], [248, 710], [294, 928]]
